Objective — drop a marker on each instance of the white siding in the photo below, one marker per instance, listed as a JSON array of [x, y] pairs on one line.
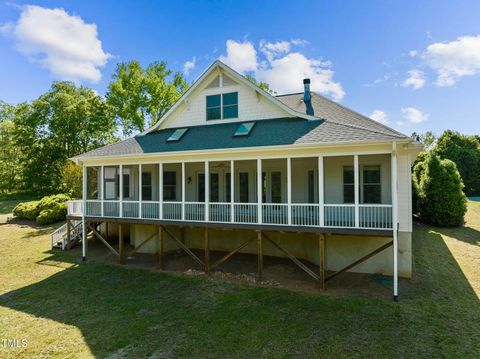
[[251, 106]]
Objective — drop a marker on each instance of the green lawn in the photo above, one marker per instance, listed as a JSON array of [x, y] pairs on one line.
[[66, 309]]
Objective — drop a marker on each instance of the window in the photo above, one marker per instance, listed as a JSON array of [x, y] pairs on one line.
[[146, 186], [276, 184], [311, 186], [372, 188], [230, 105], [348, 185], [243, 181], [264, 187], [126, 183], [228, 187], [111, 183], [169, 186], [177, 135], [244, 129], [214, 187], [214, 107], [222, 106]]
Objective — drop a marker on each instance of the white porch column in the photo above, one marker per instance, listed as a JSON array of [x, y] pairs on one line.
[[183, 191], [259, 191], [321, 195], [207, 190], [289, 189], [84, 224], [102, 188], [232, 191], [357, 190], [140, 190], [395, 220], [121, 191], [160, 190]]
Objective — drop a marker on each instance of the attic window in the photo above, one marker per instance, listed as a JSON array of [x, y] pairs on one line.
[[177, 135], [244, 129], [222, 106]]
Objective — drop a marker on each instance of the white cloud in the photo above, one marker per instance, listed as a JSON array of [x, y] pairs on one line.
[[272, 50], [281, 68], [189, 65], [62, 43], [413, 53], [413, 115], [241, 56], [454, 60], [379, 116], [416, 79]]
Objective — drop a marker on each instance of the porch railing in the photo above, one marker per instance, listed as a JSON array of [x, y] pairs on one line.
[[371, 216]]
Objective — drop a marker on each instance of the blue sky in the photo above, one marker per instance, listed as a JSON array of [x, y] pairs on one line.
[[414, 65]]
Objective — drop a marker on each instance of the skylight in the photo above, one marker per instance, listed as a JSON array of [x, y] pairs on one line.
[[177, 135], [244, 129]]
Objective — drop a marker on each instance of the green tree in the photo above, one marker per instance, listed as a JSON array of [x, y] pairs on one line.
[[72, 177], [428, 139], [9, 153], [263, 85], [140, 97], [62, 123], [465, 152], [439, 191]]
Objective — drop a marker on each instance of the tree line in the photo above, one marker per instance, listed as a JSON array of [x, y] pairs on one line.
[[38, 138]]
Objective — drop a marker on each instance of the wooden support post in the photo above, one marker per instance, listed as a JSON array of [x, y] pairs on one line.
[[135, 250], [96, 234], [207, 251], [260, 255], [161, 255], [228, 255], [121, 257], [295, 260], [321, 246], [184, 247], [69, 237]]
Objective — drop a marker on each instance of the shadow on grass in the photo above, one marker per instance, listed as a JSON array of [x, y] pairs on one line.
[[140, 313]]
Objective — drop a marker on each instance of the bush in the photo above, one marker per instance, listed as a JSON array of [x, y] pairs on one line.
[[438, 188], [49, 209], [55, 213], [27, 210]]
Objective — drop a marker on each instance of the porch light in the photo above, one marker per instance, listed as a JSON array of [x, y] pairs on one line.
[[244, 129]]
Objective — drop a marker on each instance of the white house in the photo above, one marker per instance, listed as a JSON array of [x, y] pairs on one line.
[[334, 187]]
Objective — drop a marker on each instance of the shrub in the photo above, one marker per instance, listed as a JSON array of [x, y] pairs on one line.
[[48, 210], [55, 213], [439, 191], [27, 210]]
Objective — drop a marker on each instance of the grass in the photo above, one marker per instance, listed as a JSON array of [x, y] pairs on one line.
[[66, 309]]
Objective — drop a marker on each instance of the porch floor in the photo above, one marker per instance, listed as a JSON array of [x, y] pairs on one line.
[[247, 226], [277, 272]]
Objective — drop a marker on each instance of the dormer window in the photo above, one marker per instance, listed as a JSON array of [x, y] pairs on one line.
[[222, 106]]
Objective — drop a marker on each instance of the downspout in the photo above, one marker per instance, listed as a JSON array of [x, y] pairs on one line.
[[395, 220]]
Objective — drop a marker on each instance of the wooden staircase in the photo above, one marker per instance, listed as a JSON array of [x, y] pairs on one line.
[[60, 237]]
